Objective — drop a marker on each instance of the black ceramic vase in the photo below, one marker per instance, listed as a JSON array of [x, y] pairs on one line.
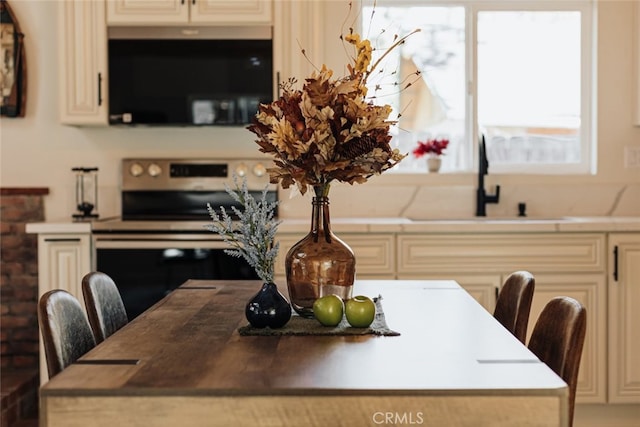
[[268, 308]]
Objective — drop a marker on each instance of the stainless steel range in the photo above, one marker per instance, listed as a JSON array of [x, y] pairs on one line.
[[160, 240]]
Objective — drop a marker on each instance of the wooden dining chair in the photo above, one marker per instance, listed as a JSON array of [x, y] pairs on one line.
[[105, 308], [514, 303], [65, 329], [557, 339]]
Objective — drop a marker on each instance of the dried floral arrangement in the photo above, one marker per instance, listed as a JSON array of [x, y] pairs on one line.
[[252, 235], [435, 147], [329, 130]]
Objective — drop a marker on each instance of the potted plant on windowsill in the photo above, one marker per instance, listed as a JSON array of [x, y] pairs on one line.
[[433, 149]]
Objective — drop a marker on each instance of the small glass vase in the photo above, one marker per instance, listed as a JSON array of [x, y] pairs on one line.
[[319, 264]]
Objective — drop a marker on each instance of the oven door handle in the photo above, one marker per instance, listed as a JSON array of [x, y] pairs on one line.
[[115, 243]]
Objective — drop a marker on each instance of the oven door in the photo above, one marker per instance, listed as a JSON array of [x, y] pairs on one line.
[[146, 267]]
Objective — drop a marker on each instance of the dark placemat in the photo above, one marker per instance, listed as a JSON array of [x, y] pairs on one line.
[[299, 325]]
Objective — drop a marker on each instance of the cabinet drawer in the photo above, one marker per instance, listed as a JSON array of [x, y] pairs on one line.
[[375, 253], [478, 253]]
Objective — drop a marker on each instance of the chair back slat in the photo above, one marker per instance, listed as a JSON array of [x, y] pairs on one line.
[[66, 333], [514, 303], [557, 339], [103, 301]]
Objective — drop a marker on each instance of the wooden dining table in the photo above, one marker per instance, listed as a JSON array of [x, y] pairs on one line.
[[184, 363]]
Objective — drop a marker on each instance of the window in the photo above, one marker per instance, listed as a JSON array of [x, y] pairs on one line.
[[519, 73]]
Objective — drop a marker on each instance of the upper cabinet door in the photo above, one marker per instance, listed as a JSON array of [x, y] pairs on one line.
[[151, 12], [296, 26], [83, 64], [169, 12], [232, 12]]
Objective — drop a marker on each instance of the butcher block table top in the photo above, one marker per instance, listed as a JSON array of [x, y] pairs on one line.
[[183, 363]]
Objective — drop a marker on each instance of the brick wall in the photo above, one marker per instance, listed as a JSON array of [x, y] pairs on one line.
[[19, 277]]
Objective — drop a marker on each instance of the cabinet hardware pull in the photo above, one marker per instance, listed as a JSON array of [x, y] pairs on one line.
[[615, 263], [193, 2], [99, 89], [61, 240], [278, 84]]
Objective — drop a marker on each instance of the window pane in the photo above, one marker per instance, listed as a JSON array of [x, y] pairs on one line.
[[433, 106], [529, 86]]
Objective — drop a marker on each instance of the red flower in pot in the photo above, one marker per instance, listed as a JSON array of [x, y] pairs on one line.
[[434, 147]]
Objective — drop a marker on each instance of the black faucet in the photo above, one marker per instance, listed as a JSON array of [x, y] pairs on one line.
[[482, 198]]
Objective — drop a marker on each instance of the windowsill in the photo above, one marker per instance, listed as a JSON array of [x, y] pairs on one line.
[[471, 178]]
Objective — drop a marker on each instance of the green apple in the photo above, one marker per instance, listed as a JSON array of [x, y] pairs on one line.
[[360, 311], [328, 310]]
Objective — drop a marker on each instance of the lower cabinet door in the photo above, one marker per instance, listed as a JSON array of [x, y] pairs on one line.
[[63, 260], [624, 318]]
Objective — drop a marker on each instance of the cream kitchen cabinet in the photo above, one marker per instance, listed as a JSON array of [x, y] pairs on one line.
[[83, 62], [571, 264], [313, 27], [297, 25], [478, 253], [63, 260], [375, 254], [180, 12], [624, 318]]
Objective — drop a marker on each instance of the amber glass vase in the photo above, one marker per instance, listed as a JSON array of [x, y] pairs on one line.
[[319, 264]]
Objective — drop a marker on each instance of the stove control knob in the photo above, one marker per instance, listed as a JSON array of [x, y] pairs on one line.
[[259, 170], [241, 170], [154, 170], [136, 169]]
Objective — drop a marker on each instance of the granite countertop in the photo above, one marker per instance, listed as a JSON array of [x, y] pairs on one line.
[[406, 225]]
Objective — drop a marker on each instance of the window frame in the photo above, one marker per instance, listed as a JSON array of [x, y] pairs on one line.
[[588, 79]]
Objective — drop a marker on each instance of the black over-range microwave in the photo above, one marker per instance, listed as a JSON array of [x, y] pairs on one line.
[[193, 76]]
